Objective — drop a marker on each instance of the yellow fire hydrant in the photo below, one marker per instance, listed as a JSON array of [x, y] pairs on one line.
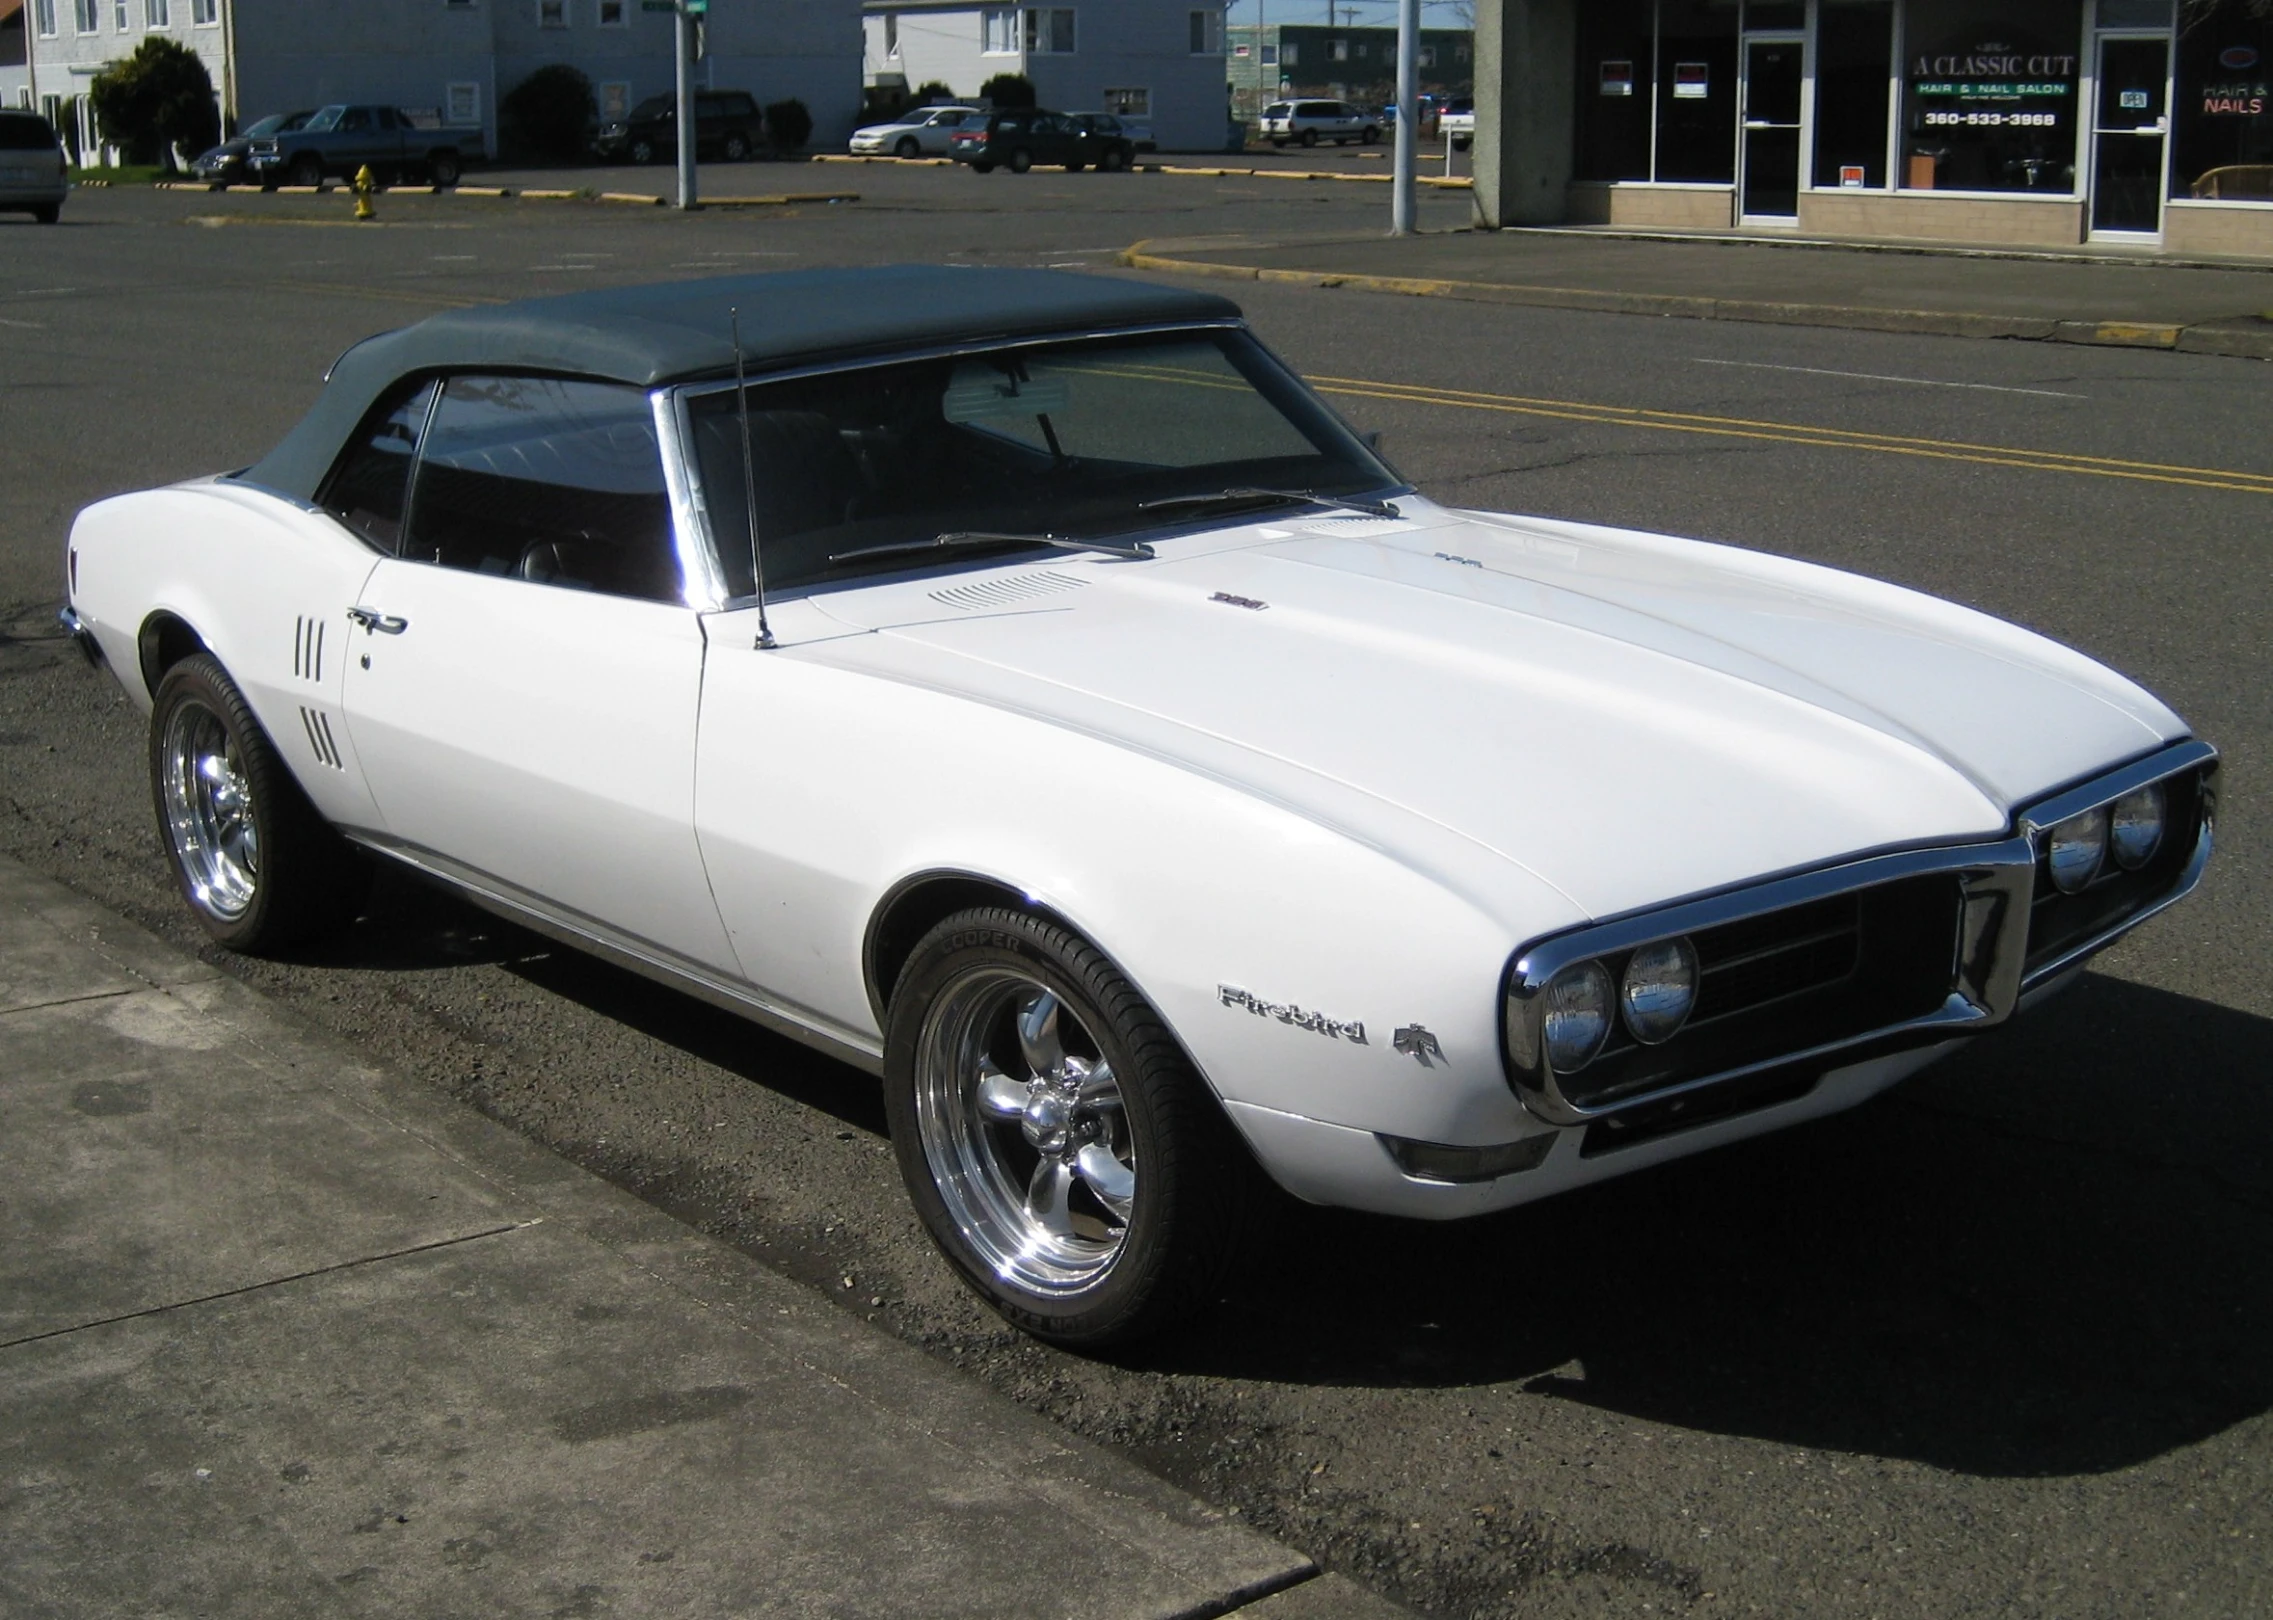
[[365, 184]]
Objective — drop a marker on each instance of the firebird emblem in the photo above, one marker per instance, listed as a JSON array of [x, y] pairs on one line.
[[1288, 1013], [1416, 1042]]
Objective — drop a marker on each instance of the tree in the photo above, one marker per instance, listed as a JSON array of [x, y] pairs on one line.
[[934, 91], [159, 97], [1008, 90], [788, 125], [551, 112]]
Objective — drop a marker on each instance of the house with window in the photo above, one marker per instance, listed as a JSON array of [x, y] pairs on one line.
[[1160, 60], [2137, 123], [454, 58], [1340, 62]]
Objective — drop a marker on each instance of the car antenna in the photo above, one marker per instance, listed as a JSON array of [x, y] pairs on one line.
[[765, 642]]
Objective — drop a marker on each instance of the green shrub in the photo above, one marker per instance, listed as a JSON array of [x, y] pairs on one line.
[[788, 125], [1008, 90], [933, 92], [549, 114], [160, 96]]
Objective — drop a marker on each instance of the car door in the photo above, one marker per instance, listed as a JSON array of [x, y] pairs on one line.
[[525, 675]]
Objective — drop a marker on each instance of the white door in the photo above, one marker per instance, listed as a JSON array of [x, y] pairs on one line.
[[522, 690]]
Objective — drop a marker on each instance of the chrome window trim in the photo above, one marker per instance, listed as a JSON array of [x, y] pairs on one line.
[[701, 586], [1989, 958]]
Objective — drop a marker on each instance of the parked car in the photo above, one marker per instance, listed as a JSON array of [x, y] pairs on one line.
[[1018, 139], [1458, 122], [1306, 123], [338, 140], [1136, 131], [728, 124], [34, 174], [1114, 754], [921, 132], [226, 164]]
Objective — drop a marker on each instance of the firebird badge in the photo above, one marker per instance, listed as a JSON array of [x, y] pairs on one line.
[[1317, 1023], [1416, 1042]]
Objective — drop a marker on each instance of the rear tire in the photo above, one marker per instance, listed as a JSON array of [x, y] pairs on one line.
[[1310, 137], [1058, 1145], [48, 213], [442, 169], [737, 147], [1371, 135], [260, 868]]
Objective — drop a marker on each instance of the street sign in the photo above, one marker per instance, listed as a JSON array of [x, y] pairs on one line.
[[698, 8]]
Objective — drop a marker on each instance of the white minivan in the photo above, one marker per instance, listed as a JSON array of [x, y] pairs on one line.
[[1306, 123]]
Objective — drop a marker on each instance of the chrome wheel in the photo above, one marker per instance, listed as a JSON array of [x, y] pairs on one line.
[[209, 812], [1025, 1132]]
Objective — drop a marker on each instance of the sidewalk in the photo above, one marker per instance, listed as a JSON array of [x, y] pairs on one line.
[[282, 1333], [1957, 292]]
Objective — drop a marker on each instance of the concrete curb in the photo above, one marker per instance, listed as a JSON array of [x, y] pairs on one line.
[[2230, 338], [638, 199]]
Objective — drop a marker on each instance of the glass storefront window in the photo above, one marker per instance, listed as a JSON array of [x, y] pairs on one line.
[[1989, 95], [1615, 69], [2223, 112], [1854, 44], [1696, 90]]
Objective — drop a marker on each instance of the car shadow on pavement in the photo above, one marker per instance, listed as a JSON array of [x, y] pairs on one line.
[[2052, 1254]]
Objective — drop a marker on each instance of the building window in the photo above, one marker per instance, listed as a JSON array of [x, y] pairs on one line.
[[86, 16], [552, 13], [1338, 50], [1049, 30], [1270, 56], [1207, 33], [1990, 105], [1289, 53], [1854, 55], [613, 14], [1129, 103], [118, 16], [158, 13], [999, 31], [43, 18], [205, 13], [1428, 56], [461, 105], [2223, 114], [615, 101]]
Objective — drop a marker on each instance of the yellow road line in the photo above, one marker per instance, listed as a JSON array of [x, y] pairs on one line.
[[1736, 427]]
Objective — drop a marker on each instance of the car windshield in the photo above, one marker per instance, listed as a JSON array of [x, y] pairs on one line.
[[654, 107], [1076, 439], [273, 124], [328, 118]]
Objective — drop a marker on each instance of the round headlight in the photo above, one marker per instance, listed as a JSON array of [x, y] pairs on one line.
[[1578, 1016], [2135, 831], [1660, 988], [2075, 848]]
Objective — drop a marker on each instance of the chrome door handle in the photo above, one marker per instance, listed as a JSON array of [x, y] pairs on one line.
[[385, 624]]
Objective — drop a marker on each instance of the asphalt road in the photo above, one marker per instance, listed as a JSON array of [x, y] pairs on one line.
[[1998, 1343]]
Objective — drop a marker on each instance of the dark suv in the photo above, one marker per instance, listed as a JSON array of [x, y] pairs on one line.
[[727, 124], [1018, 139]]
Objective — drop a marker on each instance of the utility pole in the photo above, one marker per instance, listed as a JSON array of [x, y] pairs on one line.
[[1408, 116], [685, 15]]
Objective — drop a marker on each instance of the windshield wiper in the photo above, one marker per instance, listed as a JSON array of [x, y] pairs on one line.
[[985, 537], [1245, 496]]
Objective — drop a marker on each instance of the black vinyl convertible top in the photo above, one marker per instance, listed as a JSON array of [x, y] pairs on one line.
[[677, 331]]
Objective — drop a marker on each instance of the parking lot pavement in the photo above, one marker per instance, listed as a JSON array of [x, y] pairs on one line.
[[2226, 310], [283, 1334]]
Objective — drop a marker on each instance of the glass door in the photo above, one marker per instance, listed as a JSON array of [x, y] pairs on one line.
[[2129, 131], [1769, 180]]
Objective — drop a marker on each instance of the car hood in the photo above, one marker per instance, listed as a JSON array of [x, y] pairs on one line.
[[1628, 717]]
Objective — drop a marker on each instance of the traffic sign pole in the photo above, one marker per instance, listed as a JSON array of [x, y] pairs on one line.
[[685, 28]]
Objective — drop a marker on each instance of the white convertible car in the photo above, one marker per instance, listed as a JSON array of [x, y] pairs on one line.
[[1023, 687]]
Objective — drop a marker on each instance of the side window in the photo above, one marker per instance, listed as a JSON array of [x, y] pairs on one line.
[[357, 119], [555, 482], [368, 487]]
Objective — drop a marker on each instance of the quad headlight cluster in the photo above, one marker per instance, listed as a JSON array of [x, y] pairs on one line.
[[2128, 832], [1653, 997]]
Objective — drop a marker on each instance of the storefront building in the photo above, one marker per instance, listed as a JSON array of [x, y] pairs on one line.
[[2052, 122]]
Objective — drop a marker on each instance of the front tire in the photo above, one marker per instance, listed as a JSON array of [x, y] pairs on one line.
[[907, 147], [1058, 1145], [1021, 160], [642, 152], [307, 170], [47, 213], [258, 866]]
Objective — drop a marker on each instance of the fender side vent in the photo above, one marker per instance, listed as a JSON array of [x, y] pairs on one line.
[[320, 738], [308, 649], [995, 593]]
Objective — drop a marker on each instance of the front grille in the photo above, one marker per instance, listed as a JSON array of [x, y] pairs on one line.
[[2059, 923], [1791, 980]]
